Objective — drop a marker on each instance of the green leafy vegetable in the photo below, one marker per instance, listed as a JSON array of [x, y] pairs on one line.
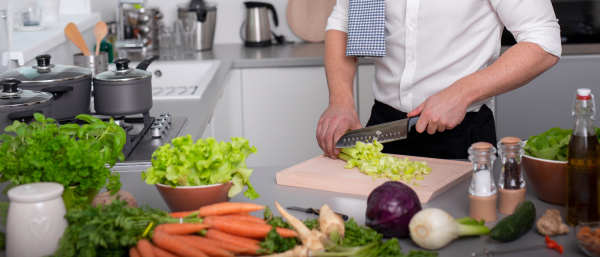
[[369, 159], [553, 144], [205, 162], [72, 155], [109, 230]]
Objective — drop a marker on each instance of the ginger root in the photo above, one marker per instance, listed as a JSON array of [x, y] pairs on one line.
[[550, 224]]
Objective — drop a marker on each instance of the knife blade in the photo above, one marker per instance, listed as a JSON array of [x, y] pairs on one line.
[[313, 211], [385, 132]]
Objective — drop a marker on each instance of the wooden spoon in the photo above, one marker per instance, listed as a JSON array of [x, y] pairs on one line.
[[73, 34], [100, 30]]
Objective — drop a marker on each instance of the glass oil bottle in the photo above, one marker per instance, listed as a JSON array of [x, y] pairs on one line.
[[583, 163]]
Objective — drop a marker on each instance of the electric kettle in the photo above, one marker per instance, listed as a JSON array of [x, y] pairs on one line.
[[258, 29]]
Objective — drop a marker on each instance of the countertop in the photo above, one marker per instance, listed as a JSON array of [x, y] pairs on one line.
[[454, 201]]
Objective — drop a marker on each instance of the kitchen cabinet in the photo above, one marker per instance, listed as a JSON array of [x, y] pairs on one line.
[[226, 121], [281, 109]]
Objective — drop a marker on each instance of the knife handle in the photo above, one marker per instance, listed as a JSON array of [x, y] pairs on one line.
[[412, 121]]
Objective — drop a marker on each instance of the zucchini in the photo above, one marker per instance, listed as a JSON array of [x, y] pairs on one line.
[[516, 224]]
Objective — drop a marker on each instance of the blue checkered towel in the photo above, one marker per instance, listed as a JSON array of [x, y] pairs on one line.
[[366, 28]]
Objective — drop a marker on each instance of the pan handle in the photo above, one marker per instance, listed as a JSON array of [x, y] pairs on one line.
[[143, 65], [25, 116]]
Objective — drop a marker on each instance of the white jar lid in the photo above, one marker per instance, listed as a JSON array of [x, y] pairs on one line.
[[35, 192]]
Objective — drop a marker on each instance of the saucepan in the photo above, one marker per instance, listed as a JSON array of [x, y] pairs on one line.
[[19, 104], [124, 90], [70, 85]]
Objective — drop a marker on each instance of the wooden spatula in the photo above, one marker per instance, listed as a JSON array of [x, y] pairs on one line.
[[100, 31], [73, 34]]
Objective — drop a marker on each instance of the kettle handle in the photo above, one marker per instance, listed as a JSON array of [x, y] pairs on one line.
[[272, 8]]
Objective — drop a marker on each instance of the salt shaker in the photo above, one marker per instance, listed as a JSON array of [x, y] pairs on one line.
[[35, 221], [482, 192], [511, 182]]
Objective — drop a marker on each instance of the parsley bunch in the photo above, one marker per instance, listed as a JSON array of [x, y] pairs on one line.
[[70, 154]]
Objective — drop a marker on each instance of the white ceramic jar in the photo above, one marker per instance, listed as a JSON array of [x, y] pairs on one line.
[[35, 221]]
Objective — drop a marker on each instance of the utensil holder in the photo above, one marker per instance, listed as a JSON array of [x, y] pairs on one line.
[[96, 63]]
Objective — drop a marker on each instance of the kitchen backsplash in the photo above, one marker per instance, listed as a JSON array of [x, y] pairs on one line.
[[230, 16]]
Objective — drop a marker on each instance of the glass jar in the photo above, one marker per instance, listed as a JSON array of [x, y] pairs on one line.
[[482, 192], [511, 182]]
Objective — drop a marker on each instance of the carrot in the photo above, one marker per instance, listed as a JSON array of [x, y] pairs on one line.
[[244, 228], [228, 208], [245, 217], [159, 252], [145, 248], [183, 214], [171, 244], [133, 252], [235, 248], [210, 249], [181, 228], [250, 245]]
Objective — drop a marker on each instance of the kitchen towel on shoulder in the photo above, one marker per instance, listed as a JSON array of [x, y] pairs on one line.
[[366, 28]]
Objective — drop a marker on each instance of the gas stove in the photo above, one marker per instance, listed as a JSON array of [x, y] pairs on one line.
[[144, 135]]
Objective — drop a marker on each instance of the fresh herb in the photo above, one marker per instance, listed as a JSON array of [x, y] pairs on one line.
[[109, 230], [360, 241], [72, 155], [553, 144], [205, 162]]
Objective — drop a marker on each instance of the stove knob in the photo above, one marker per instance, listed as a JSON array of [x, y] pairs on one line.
[[160, 125], [156, 132], [164, 122], [166, 116]]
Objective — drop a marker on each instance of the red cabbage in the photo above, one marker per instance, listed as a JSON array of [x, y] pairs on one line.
[[390, 208]]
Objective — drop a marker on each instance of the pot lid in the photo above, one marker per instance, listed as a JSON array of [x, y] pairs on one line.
[[12, 96], [46, 72], [123, 72]]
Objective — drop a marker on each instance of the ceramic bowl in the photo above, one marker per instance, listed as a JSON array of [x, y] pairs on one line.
[[547, 177], [588, 239], [188, 198]]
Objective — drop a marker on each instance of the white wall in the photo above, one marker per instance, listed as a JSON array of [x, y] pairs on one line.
[[230, 16]]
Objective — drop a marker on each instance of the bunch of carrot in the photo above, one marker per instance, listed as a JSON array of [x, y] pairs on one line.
[[227, 229]]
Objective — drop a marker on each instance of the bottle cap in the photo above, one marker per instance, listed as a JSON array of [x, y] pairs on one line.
[[584, 94], [510, 140], [482, 146]]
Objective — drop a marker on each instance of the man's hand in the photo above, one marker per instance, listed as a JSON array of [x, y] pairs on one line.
[[334, 122], [441, 111]]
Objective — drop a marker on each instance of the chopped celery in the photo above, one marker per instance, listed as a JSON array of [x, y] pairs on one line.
[[369, 159]]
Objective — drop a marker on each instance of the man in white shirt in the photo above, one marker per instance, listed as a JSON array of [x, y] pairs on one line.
[[443, 64]]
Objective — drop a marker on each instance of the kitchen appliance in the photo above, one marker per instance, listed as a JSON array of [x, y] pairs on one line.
[[124, 91], [386, 132], [204, 15], [324, 173], [70, 85], [257, 31], [19, 104]]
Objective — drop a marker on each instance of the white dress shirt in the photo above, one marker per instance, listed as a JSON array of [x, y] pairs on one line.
[[431, 44]]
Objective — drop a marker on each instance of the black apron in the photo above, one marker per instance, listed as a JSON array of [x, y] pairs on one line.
[[450, 144]]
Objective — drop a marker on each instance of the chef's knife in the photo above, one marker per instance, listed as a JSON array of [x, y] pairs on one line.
[[385, 132], [314, 211]]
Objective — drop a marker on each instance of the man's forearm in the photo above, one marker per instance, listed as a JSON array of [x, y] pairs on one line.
[[516, 67], [339, 68]]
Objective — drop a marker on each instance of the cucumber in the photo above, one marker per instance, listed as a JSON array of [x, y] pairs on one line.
[[516, 224]]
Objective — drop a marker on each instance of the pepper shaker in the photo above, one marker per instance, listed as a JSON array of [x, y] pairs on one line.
[[35, 220], [512, 185], [482, 192]]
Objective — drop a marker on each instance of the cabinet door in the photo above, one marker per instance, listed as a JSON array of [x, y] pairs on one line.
[[226, 121], [281, 109], [364, 77]]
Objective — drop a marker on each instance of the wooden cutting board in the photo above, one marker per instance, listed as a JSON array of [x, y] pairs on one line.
[[323, 173], [308, 18]]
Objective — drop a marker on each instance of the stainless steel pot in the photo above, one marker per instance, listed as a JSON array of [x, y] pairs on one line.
[[19, 104], [70, 85], [124, 91]]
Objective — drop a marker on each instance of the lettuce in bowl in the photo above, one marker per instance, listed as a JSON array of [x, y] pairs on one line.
[[184, 162], [551, 145]]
